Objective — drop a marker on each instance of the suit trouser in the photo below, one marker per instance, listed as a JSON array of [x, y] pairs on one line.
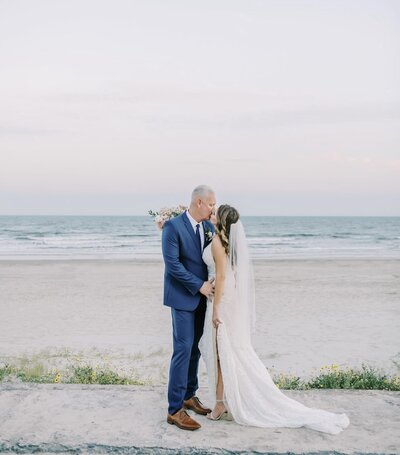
[[187, 327]]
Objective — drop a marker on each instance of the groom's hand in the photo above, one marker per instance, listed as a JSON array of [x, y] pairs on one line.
[[207, 289]]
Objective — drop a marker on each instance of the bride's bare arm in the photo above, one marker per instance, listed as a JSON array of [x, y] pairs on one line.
[[219, 255]]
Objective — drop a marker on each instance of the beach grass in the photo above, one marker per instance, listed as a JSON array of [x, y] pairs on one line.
[[78, 372], [334, 377]]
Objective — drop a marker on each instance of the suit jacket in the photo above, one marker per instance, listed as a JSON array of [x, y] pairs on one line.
[[185, 270]]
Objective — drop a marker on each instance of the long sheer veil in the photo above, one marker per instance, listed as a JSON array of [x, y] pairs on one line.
[[244, 277], [249, 390]]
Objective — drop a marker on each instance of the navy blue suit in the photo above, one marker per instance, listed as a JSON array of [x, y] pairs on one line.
[[184, 275]]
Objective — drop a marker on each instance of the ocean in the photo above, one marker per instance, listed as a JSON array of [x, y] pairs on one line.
[[136, 237]]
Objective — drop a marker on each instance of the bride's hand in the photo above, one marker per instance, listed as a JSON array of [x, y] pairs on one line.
[[216, 319]]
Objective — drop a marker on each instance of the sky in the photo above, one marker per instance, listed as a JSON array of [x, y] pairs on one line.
[[117, 107]]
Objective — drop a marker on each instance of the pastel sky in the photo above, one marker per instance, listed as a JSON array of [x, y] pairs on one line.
[[283, 107]]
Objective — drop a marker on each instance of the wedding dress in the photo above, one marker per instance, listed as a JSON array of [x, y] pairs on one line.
[[249, 391]]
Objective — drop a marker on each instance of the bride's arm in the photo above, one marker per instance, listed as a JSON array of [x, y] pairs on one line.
[[219, 255]]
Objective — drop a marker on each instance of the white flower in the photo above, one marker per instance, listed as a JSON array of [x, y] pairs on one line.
[[209, 235], [166, 213]]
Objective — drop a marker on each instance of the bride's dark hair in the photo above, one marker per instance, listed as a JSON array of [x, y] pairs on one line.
[[226, 216]]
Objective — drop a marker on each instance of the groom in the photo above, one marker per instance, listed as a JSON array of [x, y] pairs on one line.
[[185, 290]]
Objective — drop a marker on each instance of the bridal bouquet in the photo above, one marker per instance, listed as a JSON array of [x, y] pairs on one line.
[[166, 213]]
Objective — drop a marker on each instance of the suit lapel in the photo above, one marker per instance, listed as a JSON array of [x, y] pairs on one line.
[[205, 229], [189, 228]]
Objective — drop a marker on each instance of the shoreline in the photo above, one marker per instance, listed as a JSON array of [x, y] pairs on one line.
[[160, 260]]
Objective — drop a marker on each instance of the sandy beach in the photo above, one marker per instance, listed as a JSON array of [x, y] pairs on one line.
[[311, 313], [89, 419]]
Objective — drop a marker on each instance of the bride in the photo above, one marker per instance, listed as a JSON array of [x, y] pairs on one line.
[[243, 389]]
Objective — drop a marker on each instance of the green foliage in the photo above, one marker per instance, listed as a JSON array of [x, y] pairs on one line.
[[5, 370], [329, 377], [332, 377], [76, 374], [288, 382], [87, 374], [366, 378]]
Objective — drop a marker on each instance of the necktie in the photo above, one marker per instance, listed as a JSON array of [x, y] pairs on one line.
[[198, 236]]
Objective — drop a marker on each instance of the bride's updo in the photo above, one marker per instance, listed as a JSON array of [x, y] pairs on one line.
[[226, 216]]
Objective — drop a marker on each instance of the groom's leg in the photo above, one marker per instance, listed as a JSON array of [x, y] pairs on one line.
[[192, 380], [183, 335]]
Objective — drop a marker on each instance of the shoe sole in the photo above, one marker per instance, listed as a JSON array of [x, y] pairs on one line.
[[172, 422]]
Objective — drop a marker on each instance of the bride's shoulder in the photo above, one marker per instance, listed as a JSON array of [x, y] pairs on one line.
[[218, 251], [216, 243], [216, 238]]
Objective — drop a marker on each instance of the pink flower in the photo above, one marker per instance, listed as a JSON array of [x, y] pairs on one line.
[[166, 213]]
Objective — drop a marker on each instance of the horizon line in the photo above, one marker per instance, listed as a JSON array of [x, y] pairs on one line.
[[142, 215]]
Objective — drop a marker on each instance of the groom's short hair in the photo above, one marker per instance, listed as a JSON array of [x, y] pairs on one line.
[[201, 191]]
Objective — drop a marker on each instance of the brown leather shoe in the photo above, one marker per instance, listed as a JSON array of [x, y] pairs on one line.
[[196, 405], [183, 420]]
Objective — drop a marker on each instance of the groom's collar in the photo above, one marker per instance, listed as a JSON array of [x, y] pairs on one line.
[[193, 222]]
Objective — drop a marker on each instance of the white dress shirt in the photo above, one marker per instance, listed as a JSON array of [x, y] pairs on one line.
[[193, 222]]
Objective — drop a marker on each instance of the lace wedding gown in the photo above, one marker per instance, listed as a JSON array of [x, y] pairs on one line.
[[249, 391]]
